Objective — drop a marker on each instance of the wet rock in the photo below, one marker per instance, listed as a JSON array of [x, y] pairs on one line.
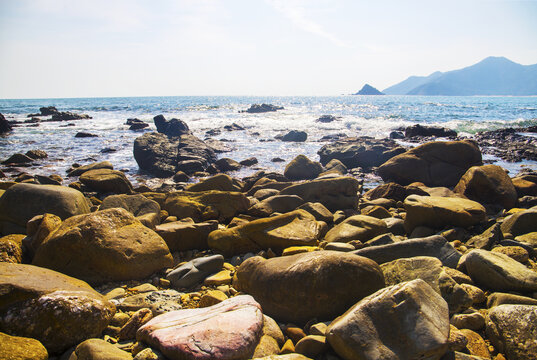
[[363, 152], [426, 131], [98, 349], [94, 166], [294, 136], [67, 116], [302, 168], [16, 347], [146, 211], [82, 134], [327, 118], [36, 154], [235, 329], [107, 181], [499, 272], [433, 163], [512, 329], [21, 202], [335, 194], [249, 162], [405, 321], [488, 184], [437, 212], [298, 288], [357, 227], [226, 164], [256, 108], [435, 246], [5, 127], [234, 127], [195, 271], [171, 128], [186, 235], [17, 159], [277, 233], [33, 300], [156, 154], [138, 126], [107, 245], [430, 270]]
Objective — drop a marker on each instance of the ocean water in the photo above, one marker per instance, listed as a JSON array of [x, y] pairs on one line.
[[374, 116]]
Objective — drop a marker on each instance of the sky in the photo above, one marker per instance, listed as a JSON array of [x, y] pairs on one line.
[[100, 48]]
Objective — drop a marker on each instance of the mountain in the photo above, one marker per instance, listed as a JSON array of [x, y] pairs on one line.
[[368, 90], [491, 76]]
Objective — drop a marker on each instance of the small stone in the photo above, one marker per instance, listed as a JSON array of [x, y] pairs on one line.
[[143, 288], [211, 298], [318, 329], [119, 319], [478, 296], [294, 333], [116, 293], [474, 321], [220, 278]]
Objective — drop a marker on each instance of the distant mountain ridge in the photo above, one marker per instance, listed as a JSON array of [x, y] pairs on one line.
[[491, 76]]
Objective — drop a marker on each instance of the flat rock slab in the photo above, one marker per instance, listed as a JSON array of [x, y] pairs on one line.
[[405, 321], [229, 330], [195, 271]]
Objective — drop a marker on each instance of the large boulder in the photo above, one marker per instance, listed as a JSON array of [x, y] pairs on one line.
[[499, 272], [206, 205], [302, 168], [173, 127], [336, 194], [430, 270], [107, 245], [221, 182], [404, 321], [512, 329], [229, 330], [434, 163], [106, 181], [435, 246], [294, 136], [186, 234], [276, 203], [156, 154], [488, 184], [438, 212], [364, 152], [520, 223], [357, 227], [58, 310], [21, 202], [300, 287], [423, 131], [93, 166], [295, 228], [145, 210], [21, 348]]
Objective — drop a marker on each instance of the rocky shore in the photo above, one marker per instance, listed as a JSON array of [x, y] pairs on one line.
[[437, 262]]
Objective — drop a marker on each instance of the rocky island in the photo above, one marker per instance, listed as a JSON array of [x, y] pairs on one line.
[[438, 261]]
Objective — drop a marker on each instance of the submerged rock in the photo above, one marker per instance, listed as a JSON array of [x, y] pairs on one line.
[[425, 131]]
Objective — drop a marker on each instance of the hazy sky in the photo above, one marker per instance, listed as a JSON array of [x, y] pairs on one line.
[[74, 48]]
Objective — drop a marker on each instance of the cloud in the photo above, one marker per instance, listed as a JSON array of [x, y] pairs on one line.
[[296, 12]]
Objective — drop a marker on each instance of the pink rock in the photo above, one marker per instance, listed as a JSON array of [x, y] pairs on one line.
[[228, 330]]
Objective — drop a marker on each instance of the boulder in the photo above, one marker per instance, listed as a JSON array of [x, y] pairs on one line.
[[5, 127], [276, 203], [186, 235], [230, 330], [295, 228], [430, 270], [336, 194], [364, 152], [159, 302], [11, 249], [67, 116], [17, 159], [393, 191], [156, 154], [497, 298], [525, 184], [335, 166], [58, 310], [145, 210], [195, 271], [302, 168], [21, 348], [319, 211], [298, 288], [327, 118], [520, 223], [171, 128], [434, 163], [21, 202], [357, 227], [98, 349], [426, 131], [488, 184], [438, 212], [94, 166], [107, 245], [404, 321], [498, 272], [435, 246], [512, 329], [106, 181], [256, 108], [206, 205], [294, 136], [220, 182]]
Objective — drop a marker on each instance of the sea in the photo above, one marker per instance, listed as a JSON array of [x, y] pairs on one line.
[[374, 116]]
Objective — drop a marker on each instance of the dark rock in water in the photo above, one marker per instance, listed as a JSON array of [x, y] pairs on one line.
[[132, 121], [249, 162], [136, 124], [4, 125], [368, 90], [107, 150], [66, 116], [36, 154], [508, 144], [82, 134], [277, 159], [364, 152], [333, 137], [422, 131], [48, 110], [213, 132], [397, 135], [294, 136], [190, 166], [173, 127], [256, 108], [45, 180], [79, 170], [156, 154], [226, 164], [18, 159], [233, 127], [327, 118], [218, 145]]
